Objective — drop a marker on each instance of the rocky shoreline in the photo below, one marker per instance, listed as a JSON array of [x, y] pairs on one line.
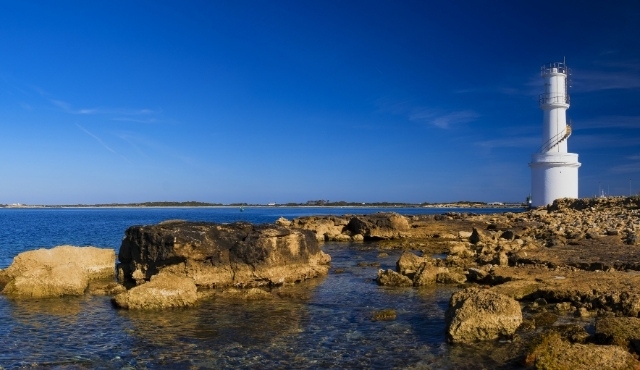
[[553, 287]]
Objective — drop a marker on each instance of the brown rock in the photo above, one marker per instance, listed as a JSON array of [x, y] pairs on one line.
[[476, 314], [220, 255], [550, 351], [392, 278], [408, 263], [620, 331], [163, 291], [60, 271]]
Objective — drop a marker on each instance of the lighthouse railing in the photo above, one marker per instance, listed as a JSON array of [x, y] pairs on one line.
[[557, 67], [549, 99]]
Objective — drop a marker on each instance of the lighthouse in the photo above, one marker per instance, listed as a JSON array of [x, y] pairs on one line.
[[554, 171]]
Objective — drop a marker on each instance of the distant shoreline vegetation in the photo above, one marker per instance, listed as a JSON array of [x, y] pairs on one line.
[[311, 203]]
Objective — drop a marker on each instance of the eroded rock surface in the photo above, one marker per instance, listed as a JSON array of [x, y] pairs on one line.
[[220, 255], [56, 272], [165, 290], [479, 314]]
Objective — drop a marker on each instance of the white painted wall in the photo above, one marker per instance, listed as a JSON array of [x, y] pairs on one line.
[[554, 172]]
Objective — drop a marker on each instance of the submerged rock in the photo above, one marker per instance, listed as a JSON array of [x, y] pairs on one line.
[[479, 314], [56, 272], [221, 255]]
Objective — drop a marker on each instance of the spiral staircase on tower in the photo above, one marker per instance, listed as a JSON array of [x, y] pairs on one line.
[[554, 141]]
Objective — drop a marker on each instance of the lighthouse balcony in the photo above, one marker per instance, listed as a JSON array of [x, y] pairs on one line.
[[554, 68], [554, 160], [548, 100]]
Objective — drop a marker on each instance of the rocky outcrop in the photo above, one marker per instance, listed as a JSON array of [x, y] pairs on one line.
[[479, 314], [56, 272], [163, 291], [220, 255], [378, 226]]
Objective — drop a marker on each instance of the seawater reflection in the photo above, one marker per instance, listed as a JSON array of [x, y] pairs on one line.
[[324, 323]]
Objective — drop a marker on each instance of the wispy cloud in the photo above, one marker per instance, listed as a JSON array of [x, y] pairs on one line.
[[632, 166], [629, 122], [444, 120], [121, 112], [99, 140], [609, 75], [434, 117], [510, 142]]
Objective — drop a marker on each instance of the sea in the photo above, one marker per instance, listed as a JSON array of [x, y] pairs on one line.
[[324, 323]]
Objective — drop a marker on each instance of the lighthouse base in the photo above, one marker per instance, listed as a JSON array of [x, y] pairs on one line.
[[553, 176]]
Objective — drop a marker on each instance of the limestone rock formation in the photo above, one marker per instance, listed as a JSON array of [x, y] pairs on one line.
[[60, 271], [479, 314], [163, 291], [221, 255]]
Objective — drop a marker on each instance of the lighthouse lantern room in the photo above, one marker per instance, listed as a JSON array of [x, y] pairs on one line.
[[554, 171]]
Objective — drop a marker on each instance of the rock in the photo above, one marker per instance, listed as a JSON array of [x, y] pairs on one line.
[[392, 278], [508, 234], [450, 278], [283, 222], [379, 226], [460, 249], [476, 315], [60, 271], [517, 289], [408, 263], [620, 331], [464, 234], [384, 315], [426, 275], [251, 294], [325, 227], [550, 351], [476, 236], [475, 274], [163, 291], [221, 255]]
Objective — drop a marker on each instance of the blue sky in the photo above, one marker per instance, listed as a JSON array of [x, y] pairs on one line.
[[289, 101]]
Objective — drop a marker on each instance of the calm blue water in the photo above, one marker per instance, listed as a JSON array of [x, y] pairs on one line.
[[325, 323]]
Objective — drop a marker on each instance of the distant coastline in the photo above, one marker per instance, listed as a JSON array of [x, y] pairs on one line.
[[309, 204]]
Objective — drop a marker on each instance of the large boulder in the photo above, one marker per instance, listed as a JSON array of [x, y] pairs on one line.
[[60, 271], [479, 314], [379, 226], [163, 291], [220, 255]]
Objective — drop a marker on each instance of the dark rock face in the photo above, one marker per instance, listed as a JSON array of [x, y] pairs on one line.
[[379, 226], [218, 255]]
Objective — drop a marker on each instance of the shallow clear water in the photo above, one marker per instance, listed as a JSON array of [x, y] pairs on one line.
[[324, 323]]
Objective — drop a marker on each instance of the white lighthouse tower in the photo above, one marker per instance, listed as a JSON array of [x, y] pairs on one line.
[[554, 172]]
